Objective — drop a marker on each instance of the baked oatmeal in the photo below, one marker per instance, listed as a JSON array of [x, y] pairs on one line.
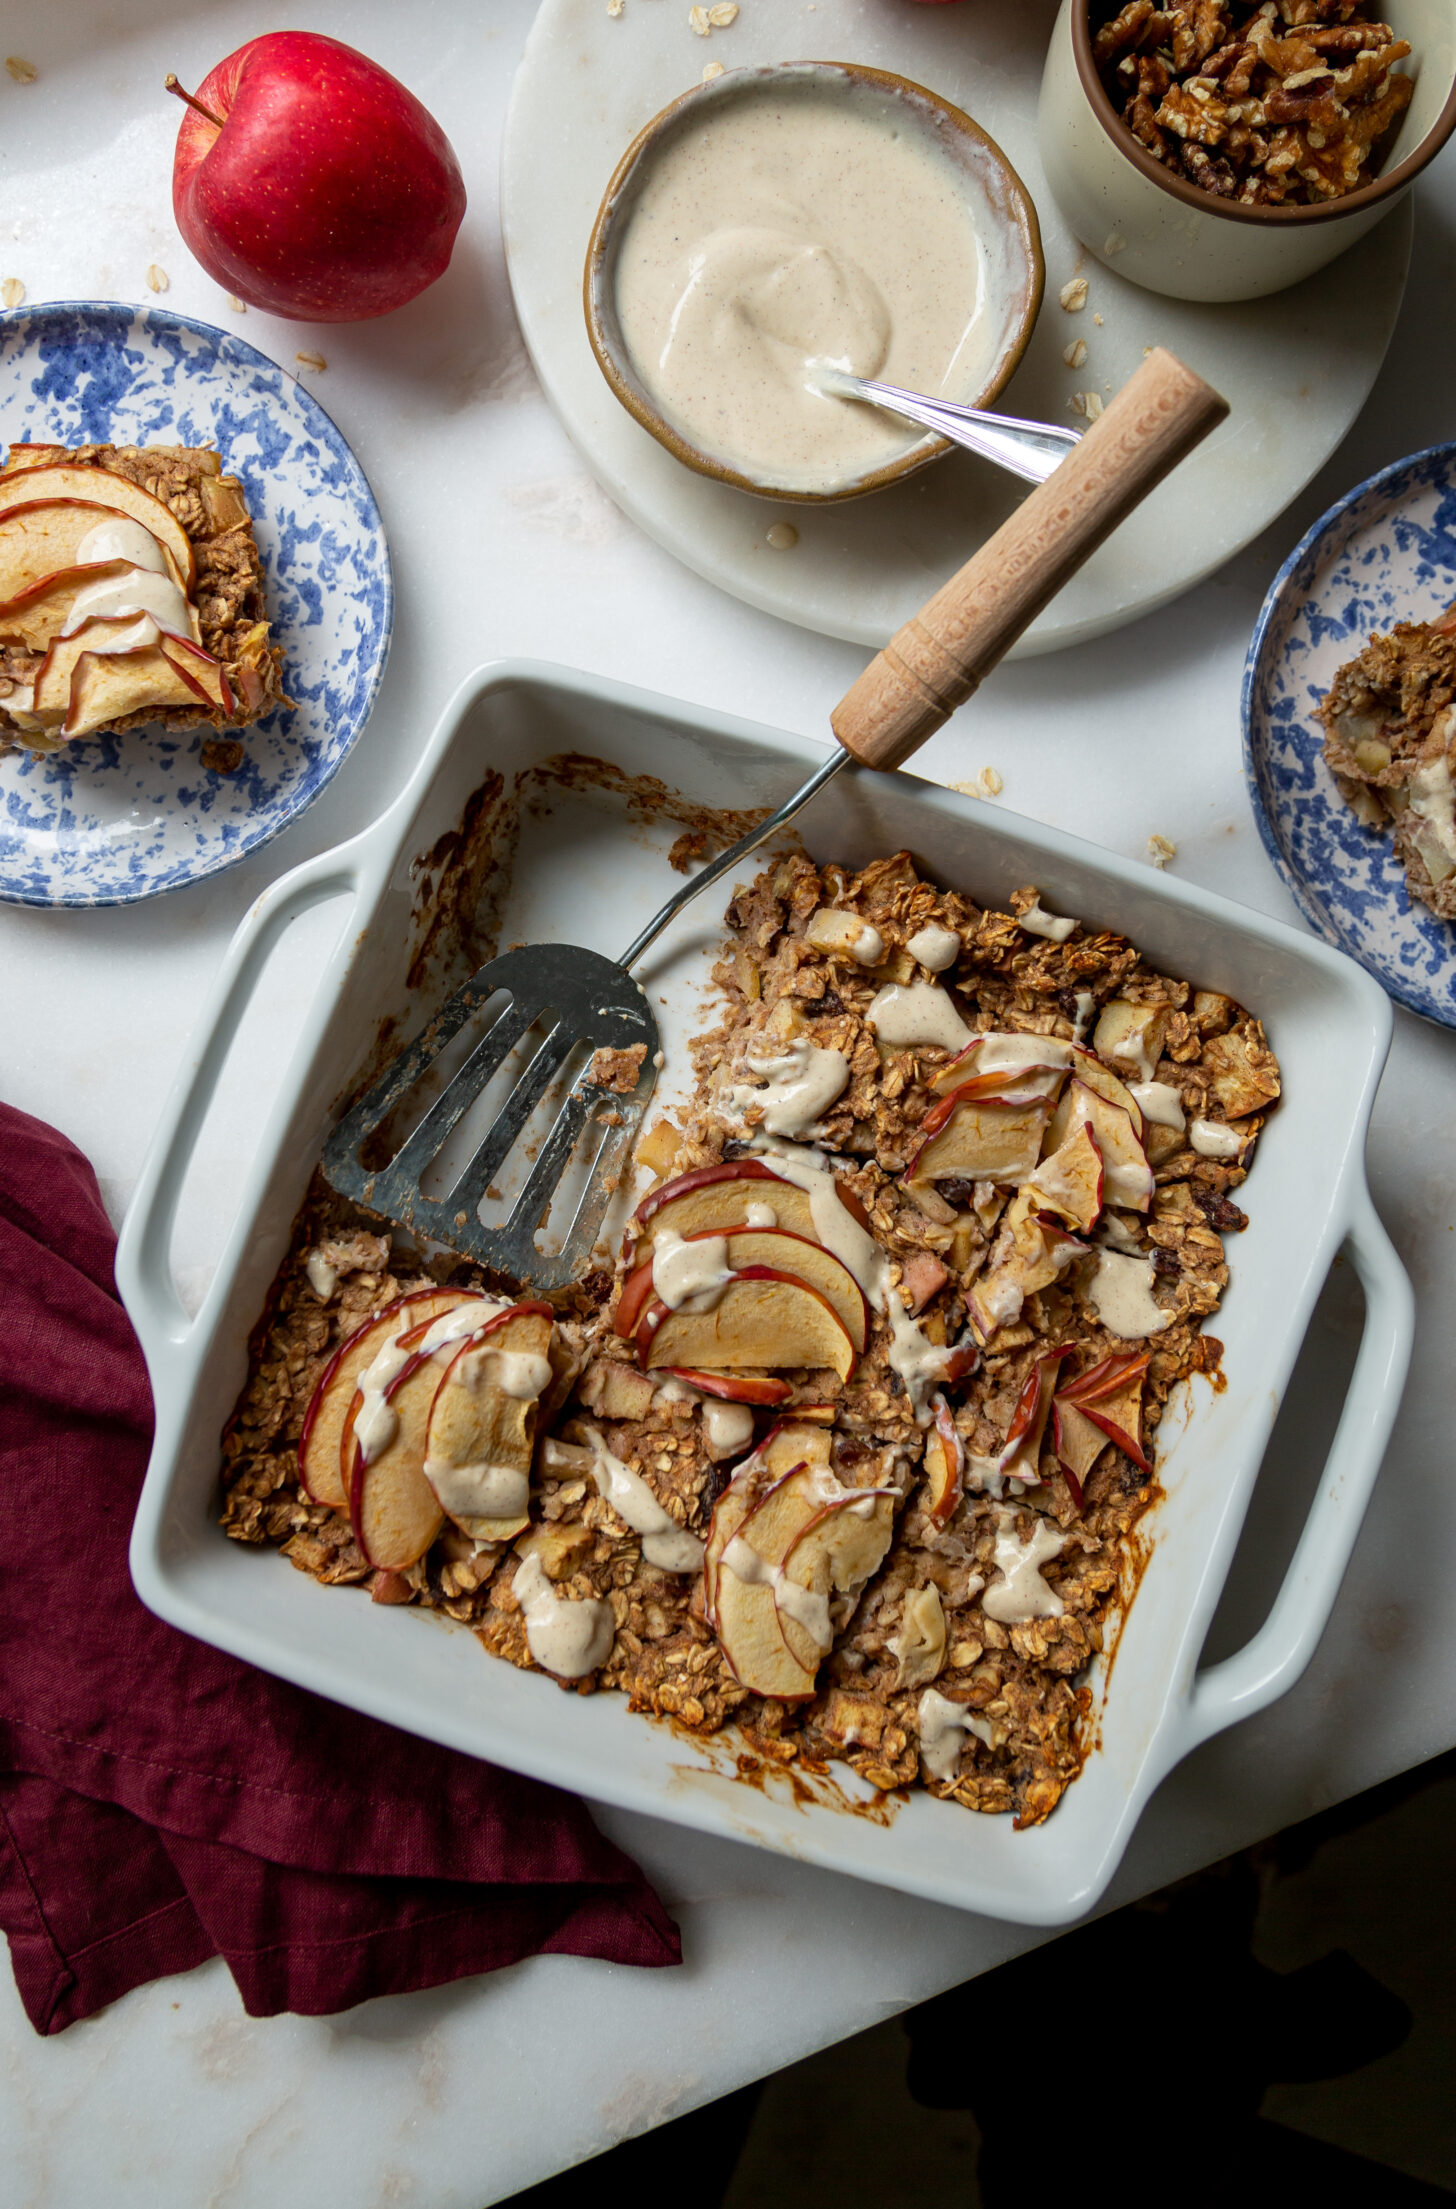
[[1390, 740], [1284, 104], [131, 592], [850, 1445]]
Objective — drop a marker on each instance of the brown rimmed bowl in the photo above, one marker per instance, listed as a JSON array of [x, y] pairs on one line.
[[989, 174], [1161, 231]]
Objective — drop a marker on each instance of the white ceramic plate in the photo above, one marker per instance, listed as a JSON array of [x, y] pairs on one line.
[[1296, 368], [590, 869]]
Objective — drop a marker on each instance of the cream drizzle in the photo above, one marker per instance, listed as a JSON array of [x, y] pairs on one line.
[[1159, 1102], [664, 1543], [727, 1428], [376, 1424], [1054, 926], [803, 1082], [1120, 1292], [1007, 1051], [568, 1636], [323, 1279], [120, 537], [941, 1724], [1021, 1593], [760, 1215], [904, 1014], [1213, 1139], [690, 1276], [482, 1491], [934, 947], [1086, 1005], [1432, 800], [142, 592]]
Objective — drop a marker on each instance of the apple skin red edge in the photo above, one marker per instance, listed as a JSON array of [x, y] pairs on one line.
[[328, 194]]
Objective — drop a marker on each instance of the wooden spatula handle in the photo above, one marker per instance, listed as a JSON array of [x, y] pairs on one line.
[[940, 656]]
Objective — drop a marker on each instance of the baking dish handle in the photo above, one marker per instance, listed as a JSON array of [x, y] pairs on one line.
[[1271, 1663], [144, 1246]]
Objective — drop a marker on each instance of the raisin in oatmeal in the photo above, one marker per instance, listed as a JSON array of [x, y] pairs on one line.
[[1390, 741], [851, 1446]]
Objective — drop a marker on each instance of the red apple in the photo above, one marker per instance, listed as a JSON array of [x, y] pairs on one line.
[[310, 183]]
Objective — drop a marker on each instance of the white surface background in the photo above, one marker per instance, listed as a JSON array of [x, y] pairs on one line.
[[503, 543]]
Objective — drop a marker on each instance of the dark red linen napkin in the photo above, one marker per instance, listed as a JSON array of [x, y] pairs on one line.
[[161, 1802]]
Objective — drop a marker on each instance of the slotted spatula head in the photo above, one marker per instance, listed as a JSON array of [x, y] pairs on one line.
[[549, 1141]]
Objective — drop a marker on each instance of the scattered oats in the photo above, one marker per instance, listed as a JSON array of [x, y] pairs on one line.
[[311, 360], [238, 306], [967, 789], [158, 279], [1073, 294], [712, 69], [991, 783], [782, 536], [1114, 243], [1088, 403], [722, 13], [614, 7], [12, 291], [698, 21], [1098, 320], [1160, 850], [1076, 352], [24, 72]]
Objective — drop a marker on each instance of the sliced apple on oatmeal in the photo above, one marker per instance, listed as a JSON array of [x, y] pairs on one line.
[[1021, 1456], [393, 1509], [1130, 1036], [710, 1200], [780, 1252], [1029, 1253], [1127, 1176], [1089, 1069], [39, 542], [1022, 1065], [1069, 1180], [107, 686], [1110, 1394], [764, 1318], [978, 1138], [482, 1423], [320, 1470], [750, 1570], [99, 488], [831, 1559], [945, 1464], [35, 617], [736, 1388]]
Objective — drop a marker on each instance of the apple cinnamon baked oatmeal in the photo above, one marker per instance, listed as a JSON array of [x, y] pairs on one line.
[[131, 592], [851, 1444], [1390, 741]]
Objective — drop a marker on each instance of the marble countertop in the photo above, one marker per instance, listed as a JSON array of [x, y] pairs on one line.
[[504, 544]]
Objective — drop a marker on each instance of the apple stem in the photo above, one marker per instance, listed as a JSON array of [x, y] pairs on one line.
[[173, 86]]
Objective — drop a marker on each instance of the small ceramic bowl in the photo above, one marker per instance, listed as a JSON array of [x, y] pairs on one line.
[[1162, 231], [994, 189]]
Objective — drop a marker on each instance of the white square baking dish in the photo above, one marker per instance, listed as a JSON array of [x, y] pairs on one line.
[[589, 867]]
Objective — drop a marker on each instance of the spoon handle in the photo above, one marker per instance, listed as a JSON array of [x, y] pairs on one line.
[[1028, 449], [941, 655]]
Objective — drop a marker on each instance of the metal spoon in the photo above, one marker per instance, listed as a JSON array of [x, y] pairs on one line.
[[1028, 449]]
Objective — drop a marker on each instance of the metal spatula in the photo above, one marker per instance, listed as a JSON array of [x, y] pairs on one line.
[[557, 1007]]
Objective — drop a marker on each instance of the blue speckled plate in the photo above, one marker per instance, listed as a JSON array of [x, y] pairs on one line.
[[117, 819], [1384, 554]]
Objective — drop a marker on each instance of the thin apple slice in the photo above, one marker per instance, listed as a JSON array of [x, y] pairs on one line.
[[1109, 1376], [743, 1493], [1021, 1457], [636, 1295], [392, 1507], [40, 540], [31, 456], [1127, 1176], [795, 1442], [1077, 1440], [1087, 1067], [1130, 1037], [807, 1260], [106, 633], [1110, 1394], [756, 1559], [97, 487], [736, 1388], [764, 1318], [751, 1637], [833, 1556], [319, 1463], [945, 1464], [710, 1200], [979, 1138], [1029, 1254], [480, 1433], [200, 667], [107, 686], [1069, 1179], [1037, 1063], [36, 617]]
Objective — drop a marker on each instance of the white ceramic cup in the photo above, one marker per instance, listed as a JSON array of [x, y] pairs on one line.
[[1163, 232]]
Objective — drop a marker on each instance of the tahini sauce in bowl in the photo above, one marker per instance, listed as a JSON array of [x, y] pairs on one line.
[[810, 212]]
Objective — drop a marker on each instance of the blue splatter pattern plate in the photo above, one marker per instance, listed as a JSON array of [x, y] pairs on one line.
[[116, 819], [1386, 553]]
